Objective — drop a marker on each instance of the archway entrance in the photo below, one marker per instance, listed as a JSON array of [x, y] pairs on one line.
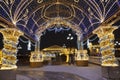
[[63, 37], [58, 36]]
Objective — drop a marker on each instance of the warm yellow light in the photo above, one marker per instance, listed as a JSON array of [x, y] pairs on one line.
[[14, 22], [109, 64], [76, 1], [102, 20], [11, 36], [36, 57], [97, 50]]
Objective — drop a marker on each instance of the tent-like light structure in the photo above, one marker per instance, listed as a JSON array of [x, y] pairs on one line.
[[31, 15]]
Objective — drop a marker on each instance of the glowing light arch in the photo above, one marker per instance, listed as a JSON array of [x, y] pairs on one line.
[[58, 21]]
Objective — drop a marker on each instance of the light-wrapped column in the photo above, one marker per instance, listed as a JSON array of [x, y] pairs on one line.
[[9, 51], [81, 54], [36, 58], [106, 40], [0, 58]]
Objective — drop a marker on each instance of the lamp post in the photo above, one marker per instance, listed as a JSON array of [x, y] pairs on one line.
[[70, 38]]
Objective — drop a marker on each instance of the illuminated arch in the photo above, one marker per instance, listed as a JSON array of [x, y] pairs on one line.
[[58, 21]]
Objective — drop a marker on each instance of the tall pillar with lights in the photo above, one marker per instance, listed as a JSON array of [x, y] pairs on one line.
[[36, 58], [9, 51], [0, 58], [106, 40], [81, 56], [77, 55], [78, 42]]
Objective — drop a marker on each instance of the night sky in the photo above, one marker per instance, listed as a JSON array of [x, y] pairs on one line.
[[58, 38]]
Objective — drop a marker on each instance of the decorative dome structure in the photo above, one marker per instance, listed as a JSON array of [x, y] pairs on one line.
[[32, 16]]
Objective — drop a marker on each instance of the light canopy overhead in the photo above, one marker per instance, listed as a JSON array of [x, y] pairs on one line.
[[32, 16]]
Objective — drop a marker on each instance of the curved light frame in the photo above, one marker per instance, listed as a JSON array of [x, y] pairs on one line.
[[58, 21], [51, 5], [23, 12]]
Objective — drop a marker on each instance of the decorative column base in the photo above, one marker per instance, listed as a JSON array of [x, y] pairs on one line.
[[81, 58], [36, 59], [82, 62], [36, 64]]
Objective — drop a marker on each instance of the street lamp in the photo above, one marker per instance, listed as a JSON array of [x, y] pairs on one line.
[[70, 38]]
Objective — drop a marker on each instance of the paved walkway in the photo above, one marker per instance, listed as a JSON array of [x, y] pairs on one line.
[[91, 72], [46, 75]]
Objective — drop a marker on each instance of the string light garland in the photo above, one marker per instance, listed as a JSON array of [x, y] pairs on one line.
[[93, 14], [93, 39], [23, 40]]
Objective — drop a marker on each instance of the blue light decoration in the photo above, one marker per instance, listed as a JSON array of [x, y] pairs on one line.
[[25, 44], [30, 15], [58, 29], [93, 39]]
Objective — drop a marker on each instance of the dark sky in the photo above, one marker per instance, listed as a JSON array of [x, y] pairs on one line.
[[50, 38], [58, 38]]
